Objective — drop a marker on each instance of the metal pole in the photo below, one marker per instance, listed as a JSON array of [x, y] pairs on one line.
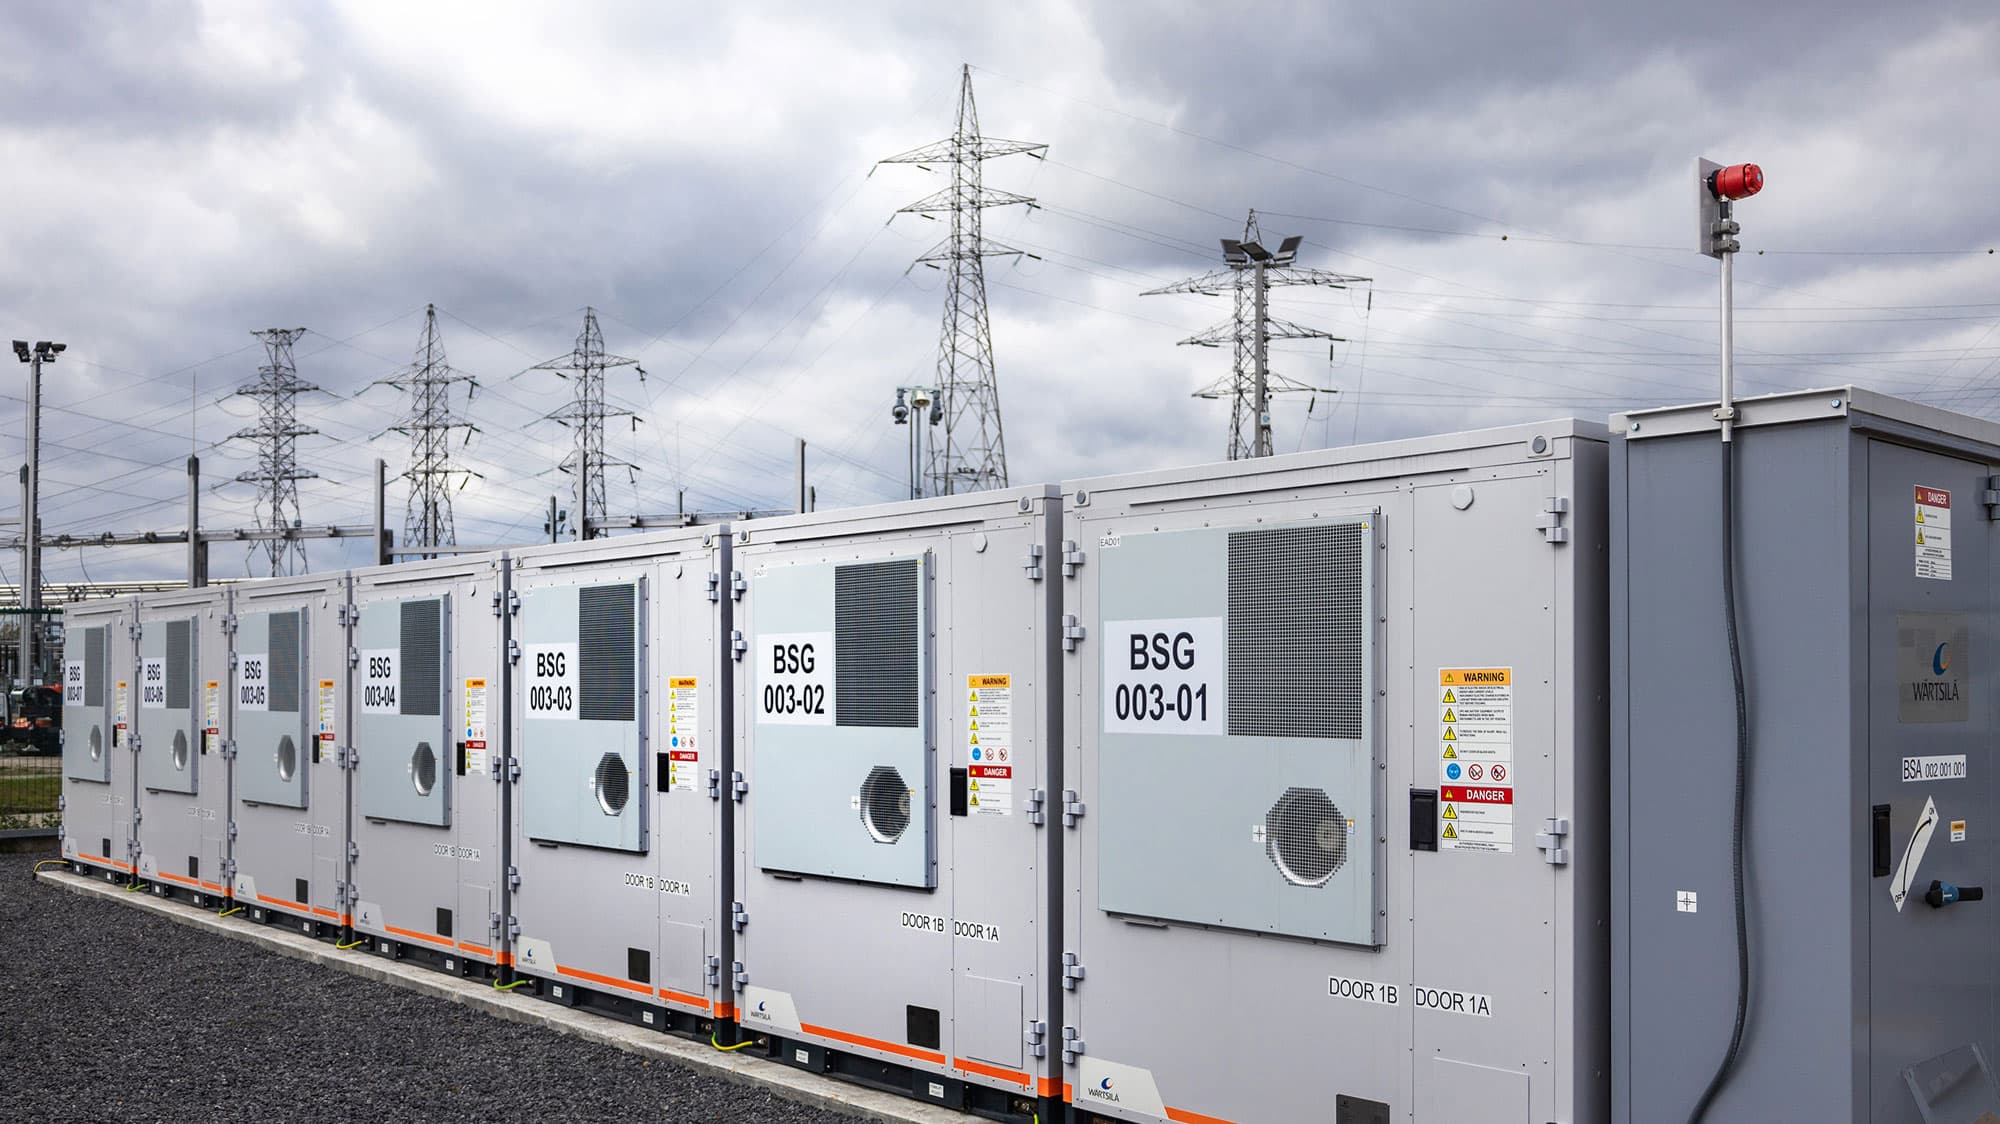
[[27, 559], [197, 569], [382, 556], [1727, 412], [1262, 384], [802, 476], [31, 527]]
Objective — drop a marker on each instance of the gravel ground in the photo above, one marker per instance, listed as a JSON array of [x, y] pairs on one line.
[[108, 1013]]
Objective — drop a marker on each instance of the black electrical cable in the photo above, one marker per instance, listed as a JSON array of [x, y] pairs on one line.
[[1723, 1071]]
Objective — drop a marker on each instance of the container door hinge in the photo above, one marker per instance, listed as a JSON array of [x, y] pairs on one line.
[[737, 586], [738, 916], [132, 845], [232, 661], [714, 586], [138, 816], [229, 872], [1073, 632], [1991, 498], [493, 923], [345, 614], [353, 657], [1033, 807], [232, 833], [1073, 808], [513, 928], [229, 624], [353, 851], [1035, 1036], [513, 651], [1034, 563], [137, 741], [715, 971], [737, 645], [514, 769], [1550, 520], [1072, 1045], [229, 750], [1072, 971], [738, 787], [62, 804], [513, 878], [495, 768], [346, 756], [1555, 831], [340, 893], [1072, 558], [738, 977], [135, 630], [715, 784]]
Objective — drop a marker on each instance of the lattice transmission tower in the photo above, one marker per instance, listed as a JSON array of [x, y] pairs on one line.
[[973, 454], [429, 425], [585, 416], [276, 436], [1252, 272]]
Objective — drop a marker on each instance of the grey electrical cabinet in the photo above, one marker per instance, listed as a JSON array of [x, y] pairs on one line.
[[1866, 596], [99, 786], [618, 832], [1333, 786], [423, 704], [183, 829], [290, 668], [896, 687]]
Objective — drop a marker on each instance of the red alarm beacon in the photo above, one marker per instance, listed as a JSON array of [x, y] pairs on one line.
[[1738, 181]]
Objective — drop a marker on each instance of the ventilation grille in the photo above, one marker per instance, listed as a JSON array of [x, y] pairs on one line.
[[93, 667], [421, 658], [1306, 837], [612, 784], [180, 663], [1296, 611], [885, 804], [285, 662], [607, 653], [423, 768], [876, 643]]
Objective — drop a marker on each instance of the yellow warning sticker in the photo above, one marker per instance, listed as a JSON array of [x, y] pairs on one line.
[[989, 744], [1450, 812], [1476, 758], [1484, 676], [1450, 832], [1450, 696]]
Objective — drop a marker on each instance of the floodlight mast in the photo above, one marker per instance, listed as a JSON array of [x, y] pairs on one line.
[[31, 504]]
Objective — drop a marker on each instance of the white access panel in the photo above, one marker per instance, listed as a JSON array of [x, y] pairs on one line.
[[184, 772], [99, 789], [1372, 930]]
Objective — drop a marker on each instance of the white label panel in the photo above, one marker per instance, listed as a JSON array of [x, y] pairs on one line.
[[253, 681], [73, 682], [211, 716], [380, 681], [1950, 768], [475, 726], [989, 748], [552, 678], [795, 679], [153, 683], [683, 732], [1933, 533], [1166, 676]]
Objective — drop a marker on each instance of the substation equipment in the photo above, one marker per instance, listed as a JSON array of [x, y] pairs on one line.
[[894, 907], [99, 794], [180, 740], [1865, 597], [620, 761], [1334, 786], [428, 861], [286, 712]]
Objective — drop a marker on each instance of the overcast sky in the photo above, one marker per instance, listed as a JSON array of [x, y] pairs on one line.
[[179, 174]]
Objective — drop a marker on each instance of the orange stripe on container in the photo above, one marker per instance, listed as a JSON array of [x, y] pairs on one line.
[[608, 981], [1069, 1093], [725, 1011], [467, 946], [186, 881], [1183, 1116], [102, 861], [897, 1048], [684, 997], [414, 935], [1049, 1087], [993, 1071]]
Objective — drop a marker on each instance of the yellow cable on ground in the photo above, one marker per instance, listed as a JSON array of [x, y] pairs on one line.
[[356, 944], [727, 1049], [230, 913], [50, 862], [511, 986], [136, 886]]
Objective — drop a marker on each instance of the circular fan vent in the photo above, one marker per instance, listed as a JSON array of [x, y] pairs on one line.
[[288, 758], [885, 804], [613, 785], [424, 768], [180, 751], [96, 743], [1306, 837]]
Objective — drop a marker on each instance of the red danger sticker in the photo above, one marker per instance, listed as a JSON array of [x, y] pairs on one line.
[[1933, 497], [997, 772], [1479, 795]]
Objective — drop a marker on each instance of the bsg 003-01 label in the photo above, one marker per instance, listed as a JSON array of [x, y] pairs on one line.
[[1166, 676]]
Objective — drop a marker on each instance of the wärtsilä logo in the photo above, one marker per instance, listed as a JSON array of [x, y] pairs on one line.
[[1941, 659], [1939, 690], [760, 1012], [1102, 1091]]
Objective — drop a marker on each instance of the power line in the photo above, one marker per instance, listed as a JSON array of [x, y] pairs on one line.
[[585, 416], [276, 436], [429, 425]]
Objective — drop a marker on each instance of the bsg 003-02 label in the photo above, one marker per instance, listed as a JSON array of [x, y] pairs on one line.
[[795, 678]]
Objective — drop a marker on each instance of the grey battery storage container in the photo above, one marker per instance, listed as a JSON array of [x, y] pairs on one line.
[[291, 805], [1334, 786], [184, 774], [618, 833], [99, 785], [423, 704], [1866, 595], [895, 911]]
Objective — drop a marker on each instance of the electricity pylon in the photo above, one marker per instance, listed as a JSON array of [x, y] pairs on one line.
[[973, 454], [585, 415], [276, 435], [429, 424], [1253, 271]]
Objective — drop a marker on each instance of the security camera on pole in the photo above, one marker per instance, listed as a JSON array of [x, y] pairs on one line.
[[31, 522], [917, 399]]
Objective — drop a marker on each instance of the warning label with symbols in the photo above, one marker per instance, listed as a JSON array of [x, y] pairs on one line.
[[1476, 759], [119, 715], [326, 710], [683, 732], [989, 745], [1933, 534], [475, 726], [211, 716]]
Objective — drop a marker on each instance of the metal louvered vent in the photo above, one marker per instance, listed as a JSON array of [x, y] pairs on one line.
[[93, 669], [421, 662], [1306, 837], [885, 804], [180, 663], [424, 768], [877, 644], [285, 662], [179, 754], [607, 655], [1297, 608], [613, 784]]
